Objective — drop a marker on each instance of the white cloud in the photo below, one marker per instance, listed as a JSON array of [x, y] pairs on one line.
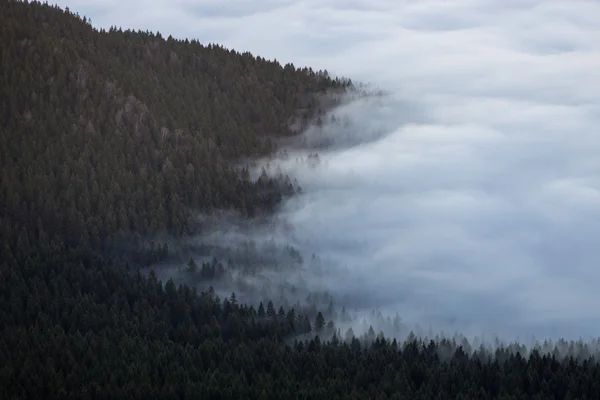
[[484, 207]]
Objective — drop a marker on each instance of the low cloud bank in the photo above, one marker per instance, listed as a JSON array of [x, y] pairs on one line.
[[466, 226], [465, 199]]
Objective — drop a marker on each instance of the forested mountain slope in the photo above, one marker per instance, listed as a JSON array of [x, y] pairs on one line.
[[105, 135], [107, 132]]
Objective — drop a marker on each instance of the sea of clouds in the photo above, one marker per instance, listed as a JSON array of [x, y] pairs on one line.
[[468, 197]]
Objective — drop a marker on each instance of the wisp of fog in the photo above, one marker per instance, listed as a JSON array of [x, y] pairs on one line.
[[467, 197]]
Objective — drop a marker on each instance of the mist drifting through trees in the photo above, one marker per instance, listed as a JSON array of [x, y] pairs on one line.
[[188, 220], [465, 197]]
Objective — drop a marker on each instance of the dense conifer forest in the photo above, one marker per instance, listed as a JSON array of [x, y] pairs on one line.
[[113, 136]]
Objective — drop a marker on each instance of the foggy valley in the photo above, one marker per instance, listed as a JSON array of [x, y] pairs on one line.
[[464, 198], [300, 199]]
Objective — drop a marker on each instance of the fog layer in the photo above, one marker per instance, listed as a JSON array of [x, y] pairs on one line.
[[466, 199], [479, 211]]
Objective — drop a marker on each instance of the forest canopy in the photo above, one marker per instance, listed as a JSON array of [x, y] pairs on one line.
[[121, 131]]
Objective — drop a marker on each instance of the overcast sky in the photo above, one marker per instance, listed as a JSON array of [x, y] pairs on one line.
[[471, 193]]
